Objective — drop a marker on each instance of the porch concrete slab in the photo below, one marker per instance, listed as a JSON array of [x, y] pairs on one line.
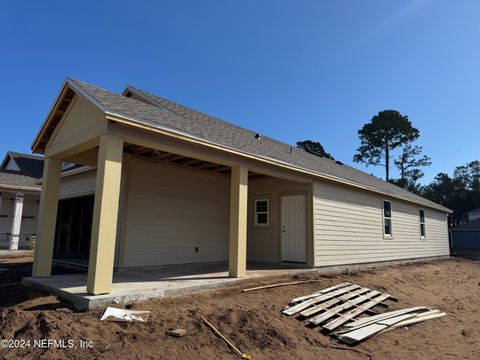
[[147, 283], [5, 253]]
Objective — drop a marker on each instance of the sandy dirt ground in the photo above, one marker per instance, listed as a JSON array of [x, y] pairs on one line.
[[251, 320]]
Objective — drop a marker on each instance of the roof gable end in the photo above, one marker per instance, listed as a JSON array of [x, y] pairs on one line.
[[154, 113]]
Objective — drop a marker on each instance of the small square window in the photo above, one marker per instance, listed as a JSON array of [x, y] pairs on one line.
[[262, 219], [261, 212], [262, 206]]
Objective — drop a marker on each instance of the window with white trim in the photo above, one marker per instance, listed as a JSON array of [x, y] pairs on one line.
[[387, 218], [421, 214], [262, 217]]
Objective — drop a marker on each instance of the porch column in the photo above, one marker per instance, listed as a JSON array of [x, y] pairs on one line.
[[237, 260], [16, 222], [47, 217], [105, 213]]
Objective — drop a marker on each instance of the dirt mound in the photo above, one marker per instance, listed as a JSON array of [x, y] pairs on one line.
[[253, 321]]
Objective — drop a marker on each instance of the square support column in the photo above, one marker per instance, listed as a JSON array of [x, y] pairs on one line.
[[47, 218], [237, 260], [105, 214]]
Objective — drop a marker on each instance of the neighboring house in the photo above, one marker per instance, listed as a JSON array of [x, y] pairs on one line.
[[474, 214], [174, 186], [465, 238], [19, 199]]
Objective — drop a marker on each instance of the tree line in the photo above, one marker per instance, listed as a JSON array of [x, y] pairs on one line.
[[388, 140]]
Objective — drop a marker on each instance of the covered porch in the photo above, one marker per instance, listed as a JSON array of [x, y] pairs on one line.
[[141, 284], [116, 148]]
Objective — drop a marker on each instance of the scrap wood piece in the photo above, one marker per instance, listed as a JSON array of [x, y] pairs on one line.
[[367, 330], [345, 306], [432, 314], [323, 306], [114, 314], [360, 334], [332, 325], [321, 298], [320, 292], [232, 346], [372, 319], [280, 284]]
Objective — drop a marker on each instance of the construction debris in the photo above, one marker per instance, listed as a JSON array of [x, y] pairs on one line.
[[280, 284], [335, 310], [232, 346], [177, 333], [121, 315], [387, 322]]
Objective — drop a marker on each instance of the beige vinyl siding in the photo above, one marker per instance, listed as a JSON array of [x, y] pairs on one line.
[[263, 242], [348, 228], [170, 211], [78, 185]]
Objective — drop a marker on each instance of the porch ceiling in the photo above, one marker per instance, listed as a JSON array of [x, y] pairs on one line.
[[169, 158]]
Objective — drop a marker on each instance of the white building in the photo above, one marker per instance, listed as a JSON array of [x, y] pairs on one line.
[[19, 199], [474, 214]]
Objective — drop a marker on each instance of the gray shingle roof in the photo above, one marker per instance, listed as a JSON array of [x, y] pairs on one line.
[[30, 165], [13, 178], [31, 169], [178, 118]]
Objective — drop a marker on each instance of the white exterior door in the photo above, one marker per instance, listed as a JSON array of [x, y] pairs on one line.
[[293, 229]]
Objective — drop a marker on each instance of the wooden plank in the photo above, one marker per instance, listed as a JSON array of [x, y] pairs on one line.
[[232, 346], [279, 284], [345, 306], [365, 332], [320, 292], [317, 308], [162, 155], [432, 314], [332, 325], [192, 162], [303, 305], [178, 157], [141, 150], [371, 319]]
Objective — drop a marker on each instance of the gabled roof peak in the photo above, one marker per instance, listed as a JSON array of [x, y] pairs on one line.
[[138, 107]]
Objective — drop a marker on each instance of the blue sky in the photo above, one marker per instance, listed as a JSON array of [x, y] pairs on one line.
[[292, 70]]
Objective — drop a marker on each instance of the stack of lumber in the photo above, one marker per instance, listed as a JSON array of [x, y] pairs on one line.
[[336, 310]]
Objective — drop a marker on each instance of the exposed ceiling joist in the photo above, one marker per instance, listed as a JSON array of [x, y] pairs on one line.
[[174, 159], [222, 169]]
